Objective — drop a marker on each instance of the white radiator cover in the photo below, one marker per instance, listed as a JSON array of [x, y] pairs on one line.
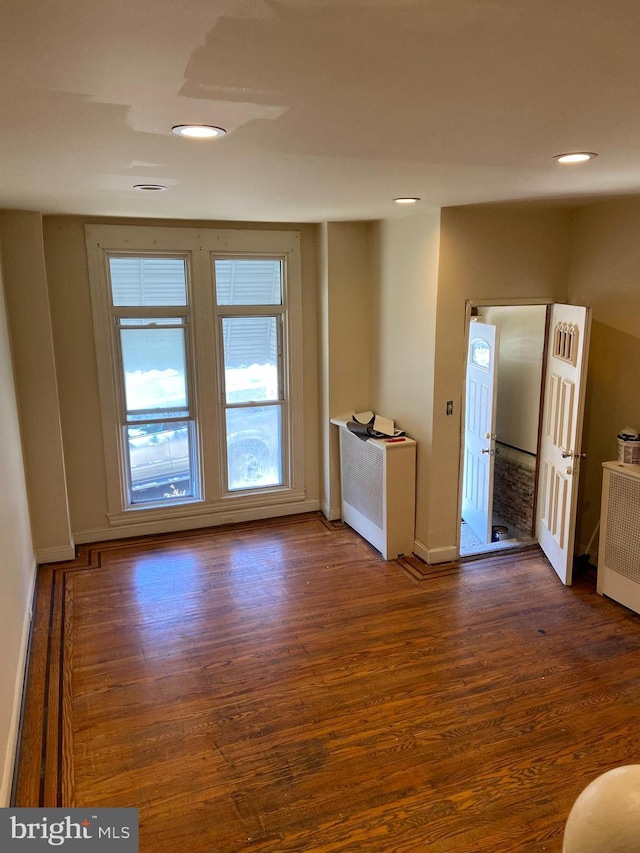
[[378, 480], [619, 549]]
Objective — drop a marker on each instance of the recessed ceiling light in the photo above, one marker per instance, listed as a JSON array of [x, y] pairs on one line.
[[149, 188], [575, 157], [198, 131], [406, 200]]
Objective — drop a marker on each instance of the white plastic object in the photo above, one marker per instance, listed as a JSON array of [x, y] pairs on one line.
[[606, 816]]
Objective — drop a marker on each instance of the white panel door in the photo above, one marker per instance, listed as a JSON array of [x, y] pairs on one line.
[[561, 441], [480, 428]]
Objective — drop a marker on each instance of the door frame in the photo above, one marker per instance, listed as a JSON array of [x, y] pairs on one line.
[[470, 304]]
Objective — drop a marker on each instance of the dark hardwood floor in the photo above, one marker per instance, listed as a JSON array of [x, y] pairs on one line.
[[278, 687]]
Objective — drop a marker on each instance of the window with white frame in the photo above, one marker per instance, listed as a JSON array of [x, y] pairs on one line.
[[199, 354], [250, 316]]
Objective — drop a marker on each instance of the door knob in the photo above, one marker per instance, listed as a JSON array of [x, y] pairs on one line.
[[486, 450]]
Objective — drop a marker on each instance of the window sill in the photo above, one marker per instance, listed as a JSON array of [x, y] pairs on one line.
[[197, 508]]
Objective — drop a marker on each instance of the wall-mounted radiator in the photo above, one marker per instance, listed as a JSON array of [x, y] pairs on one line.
[[378, 480], [619, 549]]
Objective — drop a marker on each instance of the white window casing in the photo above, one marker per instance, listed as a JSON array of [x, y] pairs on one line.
[[202, 316]]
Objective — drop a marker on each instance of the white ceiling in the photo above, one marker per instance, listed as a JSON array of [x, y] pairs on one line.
[[332, 108]]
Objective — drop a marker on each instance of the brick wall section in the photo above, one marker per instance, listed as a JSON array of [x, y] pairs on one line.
[[514, 485]]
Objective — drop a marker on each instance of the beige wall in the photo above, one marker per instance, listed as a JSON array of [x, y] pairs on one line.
[[17, 562], [487, 253], [520, 355], [35, 373], [388, 299], [69, 294], [405, 256], [605, 274], [346, 287]]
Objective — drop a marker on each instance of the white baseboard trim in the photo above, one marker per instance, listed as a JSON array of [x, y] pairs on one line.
[[433, 556], [21, 675], [56, 555], [98, 534], [332, 513]]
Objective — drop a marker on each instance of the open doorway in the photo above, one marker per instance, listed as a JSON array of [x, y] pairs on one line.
[[508, 459]]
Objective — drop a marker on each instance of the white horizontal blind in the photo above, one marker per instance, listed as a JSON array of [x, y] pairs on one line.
[[248, 282], [148, 281], [241, 339]]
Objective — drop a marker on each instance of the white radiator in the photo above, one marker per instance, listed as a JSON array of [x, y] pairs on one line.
[[378, 480], [619, 549]]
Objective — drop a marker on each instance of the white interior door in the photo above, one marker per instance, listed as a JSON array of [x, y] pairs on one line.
[[561, 440], [480, 429]]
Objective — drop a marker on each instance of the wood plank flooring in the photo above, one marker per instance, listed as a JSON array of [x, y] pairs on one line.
[[277, 687]]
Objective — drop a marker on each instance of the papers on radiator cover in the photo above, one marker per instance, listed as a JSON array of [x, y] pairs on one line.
[[378, 423]]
